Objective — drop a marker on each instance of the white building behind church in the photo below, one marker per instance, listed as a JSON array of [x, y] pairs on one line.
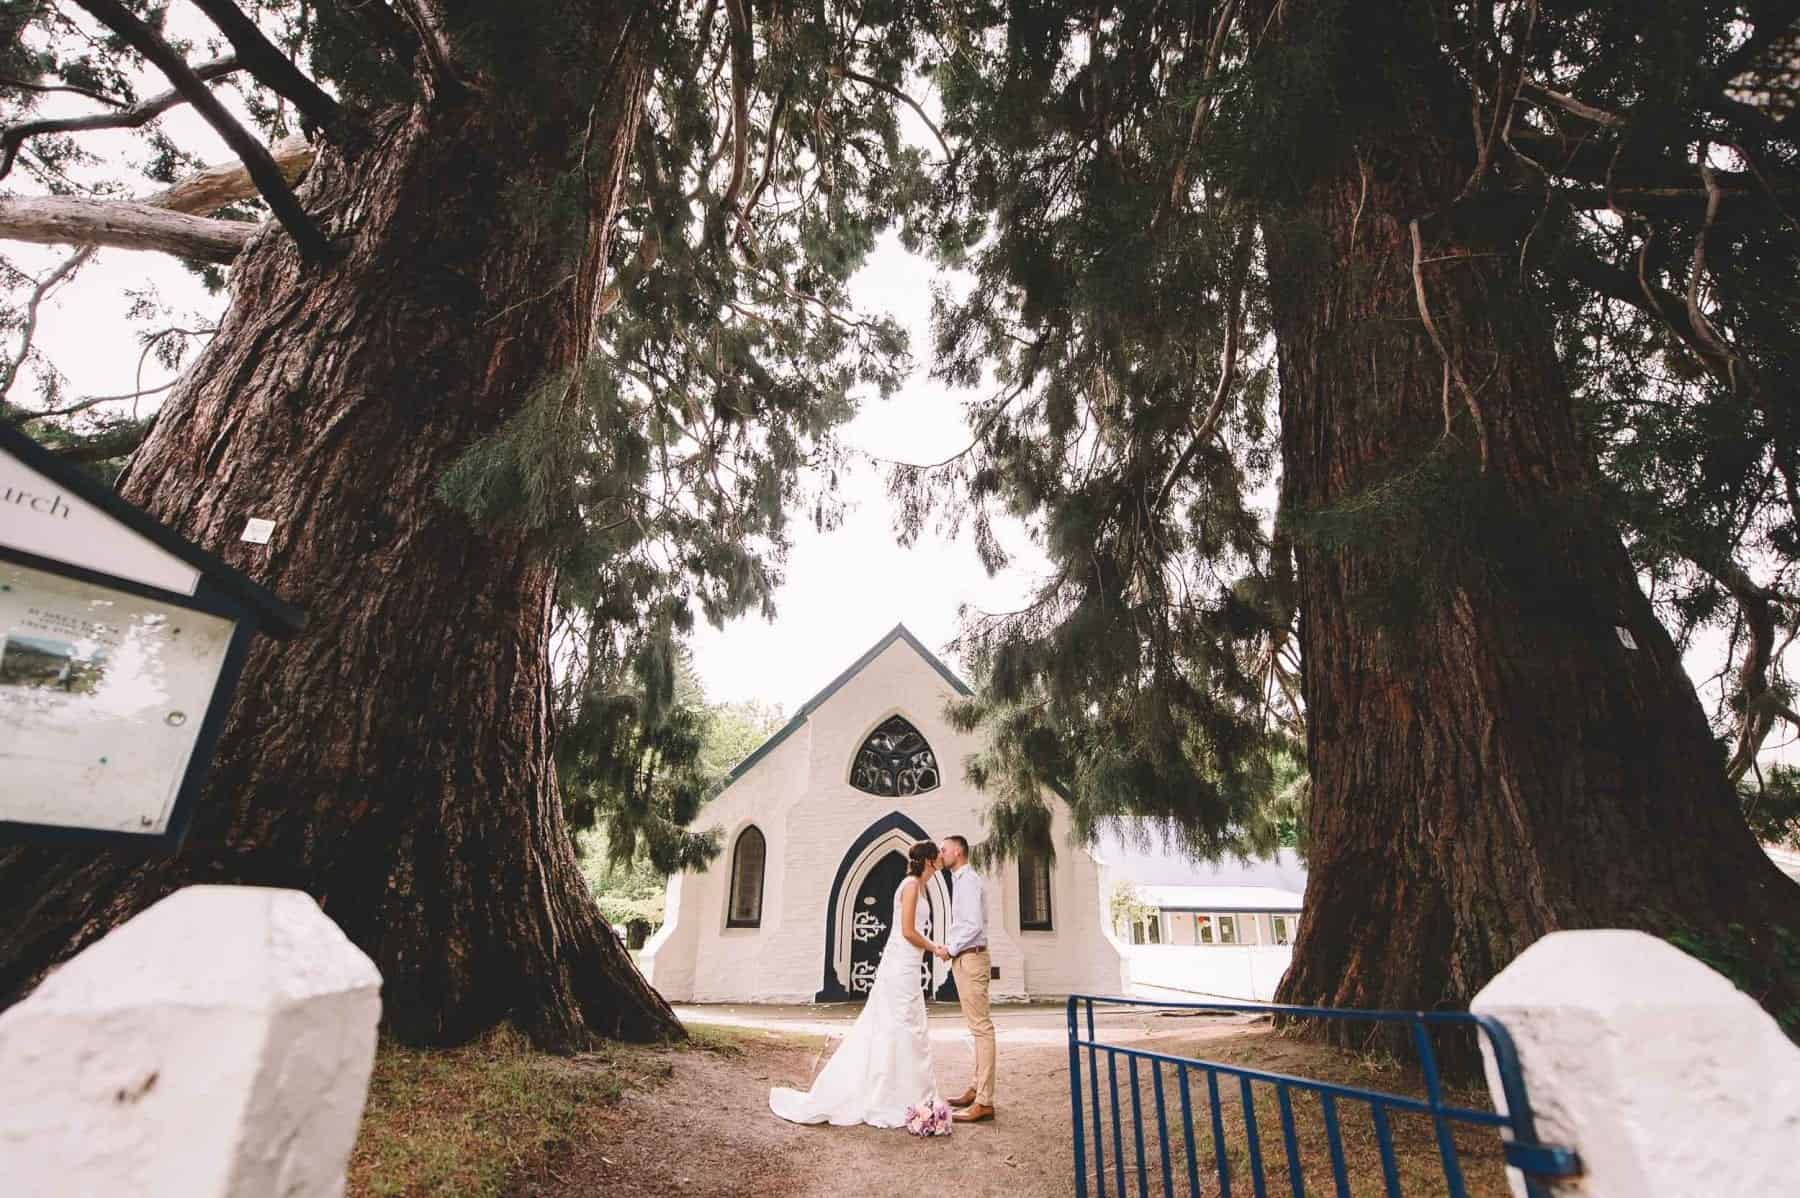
[[815, 825]]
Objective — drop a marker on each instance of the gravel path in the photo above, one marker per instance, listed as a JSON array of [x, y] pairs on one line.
[[708, 1131]]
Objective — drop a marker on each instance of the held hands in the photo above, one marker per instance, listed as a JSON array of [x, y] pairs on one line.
[[940, 952]]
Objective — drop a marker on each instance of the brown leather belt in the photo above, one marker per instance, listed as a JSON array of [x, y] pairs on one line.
[[965, 952]]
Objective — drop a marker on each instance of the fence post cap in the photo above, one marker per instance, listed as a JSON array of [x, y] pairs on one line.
[[1606, 970], [248, 947], [1667, 1079], [216, 1045]]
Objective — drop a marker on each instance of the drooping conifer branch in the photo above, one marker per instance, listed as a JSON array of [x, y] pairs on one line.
[[255, 156], [273, 68], [134, 117], [1234, 323]]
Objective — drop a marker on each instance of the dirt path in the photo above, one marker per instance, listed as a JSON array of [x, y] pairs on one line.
[[708, 1131]]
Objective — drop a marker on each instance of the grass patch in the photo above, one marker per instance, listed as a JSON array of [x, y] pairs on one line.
[[1418, 1161], [465, 1121], [732, 1040]]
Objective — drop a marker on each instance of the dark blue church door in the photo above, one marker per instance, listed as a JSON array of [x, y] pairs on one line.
[[871, 925]]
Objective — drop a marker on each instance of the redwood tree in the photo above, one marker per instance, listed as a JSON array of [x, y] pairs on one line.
[[1527, 273], [450, 374], [1501, 737]]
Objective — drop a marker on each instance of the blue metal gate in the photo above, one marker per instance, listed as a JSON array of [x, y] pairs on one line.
[[1203, 1091]]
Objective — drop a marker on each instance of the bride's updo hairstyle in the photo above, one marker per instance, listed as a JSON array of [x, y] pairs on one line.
[[919, 856]]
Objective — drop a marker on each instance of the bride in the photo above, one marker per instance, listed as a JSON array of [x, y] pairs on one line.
[[884, 1064]]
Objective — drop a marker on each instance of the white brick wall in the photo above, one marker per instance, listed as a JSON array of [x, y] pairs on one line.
[[801, 798]]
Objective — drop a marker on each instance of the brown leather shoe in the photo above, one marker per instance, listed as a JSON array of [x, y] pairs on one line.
[[967, 1099], [974, 1114]]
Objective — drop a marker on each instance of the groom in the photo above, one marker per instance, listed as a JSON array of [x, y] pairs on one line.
[[967, 948]]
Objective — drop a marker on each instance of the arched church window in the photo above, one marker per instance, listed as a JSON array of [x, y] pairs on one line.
[[1034, 891], [895, 760], [746, 880]]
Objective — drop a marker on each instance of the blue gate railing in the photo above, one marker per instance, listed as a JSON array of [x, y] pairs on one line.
[[1206, 1087]]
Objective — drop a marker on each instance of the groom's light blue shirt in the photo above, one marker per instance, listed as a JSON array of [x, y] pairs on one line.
[[968, 912]]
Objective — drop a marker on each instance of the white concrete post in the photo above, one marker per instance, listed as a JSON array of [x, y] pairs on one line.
[[1668, 1080], [219, 1043]]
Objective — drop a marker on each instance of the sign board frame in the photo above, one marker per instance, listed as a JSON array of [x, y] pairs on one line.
[[220, 591]]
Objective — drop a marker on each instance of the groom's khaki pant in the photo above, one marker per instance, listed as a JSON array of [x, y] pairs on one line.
[[971, 973]]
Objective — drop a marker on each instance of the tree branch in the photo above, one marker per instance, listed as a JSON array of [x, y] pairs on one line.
[[71, 220], [1227, 368], [39, 293], [45, 89], [146, 41], [115, 442], [137, 116], [1756, 603], [434, 44], [170, 221], [1658, 302], [1452, 370], [889, 89], [1591, 160], [94, 401], [1572, 106], [742, 50], [263, 59], [228, 182]]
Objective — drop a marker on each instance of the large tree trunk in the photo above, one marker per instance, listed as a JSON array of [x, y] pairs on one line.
[[395, 761], [1490, 760]]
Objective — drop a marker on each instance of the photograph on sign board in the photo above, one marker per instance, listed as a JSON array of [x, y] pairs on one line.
[[34, 661], [102, 696]]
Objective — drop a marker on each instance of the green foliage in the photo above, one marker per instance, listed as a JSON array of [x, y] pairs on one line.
[[1109, 300], [1123, 171], [639, 751], [1279, 822], [733, 732], [1772, 806], [625, 890], [628, 754], [1127, 907], [1759, 965]]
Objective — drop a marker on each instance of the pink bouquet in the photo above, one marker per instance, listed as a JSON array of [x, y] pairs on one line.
[[928, 1119]]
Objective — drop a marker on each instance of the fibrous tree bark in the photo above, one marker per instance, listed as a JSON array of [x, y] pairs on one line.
[[1501, 737], [394, 762]]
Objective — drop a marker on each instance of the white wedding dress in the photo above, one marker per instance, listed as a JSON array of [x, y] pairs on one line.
[[884, 1064]]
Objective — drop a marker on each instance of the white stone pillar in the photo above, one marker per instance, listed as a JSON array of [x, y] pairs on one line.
[[219, 1043], [1665, 1078]]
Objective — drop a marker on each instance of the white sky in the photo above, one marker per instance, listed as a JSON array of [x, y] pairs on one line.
[[847, 587]]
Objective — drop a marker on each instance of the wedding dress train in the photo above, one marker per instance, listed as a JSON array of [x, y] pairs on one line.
[[884, 1064]]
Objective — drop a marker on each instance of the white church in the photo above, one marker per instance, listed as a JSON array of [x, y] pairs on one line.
[[815, 825]]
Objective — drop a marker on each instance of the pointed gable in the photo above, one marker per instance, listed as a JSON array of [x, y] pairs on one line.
[[900, 632]]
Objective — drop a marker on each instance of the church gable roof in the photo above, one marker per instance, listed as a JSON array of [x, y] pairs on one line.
[[900, 632]]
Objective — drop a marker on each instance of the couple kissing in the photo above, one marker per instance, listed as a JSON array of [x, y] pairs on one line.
[[882, 1070]]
